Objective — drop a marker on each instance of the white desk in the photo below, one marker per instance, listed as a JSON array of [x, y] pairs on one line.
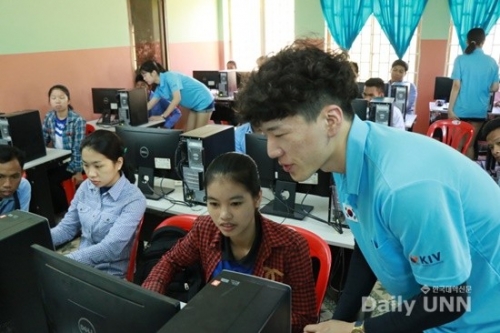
[[112, 128], [444, 109], [328, 233], [36, 172]]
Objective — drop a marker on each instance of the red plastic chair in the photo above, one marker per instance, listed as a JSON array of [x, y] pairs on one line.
[[133, 253], [184, 221], [89, 128], [453, 133], [320, 250], [69, 187]]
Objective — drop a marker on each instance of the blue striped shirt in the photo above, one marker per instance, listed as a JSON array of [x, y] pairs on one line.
[[72, 136], [108, 223]]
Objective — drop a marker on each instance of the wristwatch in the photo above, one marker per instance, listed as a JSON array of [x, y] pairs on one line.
[[359, 327]]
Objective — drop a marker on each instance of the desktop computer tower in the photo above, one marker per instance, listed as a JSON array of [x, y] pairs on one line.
[[23, 129], [380, 110], [198, 148], [21, 308], [133, 106], [400, 94], [228, 83]]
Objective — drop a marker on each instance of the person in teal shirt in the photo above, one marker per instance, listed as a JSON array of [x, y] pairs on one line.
[[181, 90], [475, 76], [424, 217]]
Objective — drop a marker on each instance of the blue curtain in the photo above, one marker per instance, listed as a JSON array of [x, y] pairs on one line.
[[399, 19], [345, 19], [467, 14]]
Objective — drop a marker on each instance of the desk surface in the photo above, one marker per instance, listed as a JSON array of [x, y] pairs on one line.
[[328, 233], [112, 128], [52, 154], [444, 108]]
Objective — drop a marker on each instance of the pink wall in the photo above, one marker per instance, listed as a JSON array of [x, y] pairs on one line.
[[26, 78], [432, 64], [186, 57]]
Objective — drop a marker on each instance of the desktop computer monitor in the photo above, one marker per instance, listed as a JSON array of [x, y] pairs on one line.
[[105, 102], [80, 298], [151, 152], [442, 88], [360, 107], [284, 187], [209, 78], [21, 309], [236, 303], [361, 87]]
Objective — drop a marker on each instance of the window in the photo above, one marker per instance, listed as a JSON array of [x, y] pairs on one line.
[[256, 29], [374, 53], [491, 45]]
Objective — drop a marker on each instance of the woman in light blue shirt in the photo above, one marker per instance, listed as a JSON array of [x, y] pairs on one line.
[[181, 90], [475, 76], [107, 207]]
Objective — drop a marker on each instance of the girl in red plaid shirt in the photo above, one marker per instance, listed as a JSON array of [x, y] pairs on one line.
[[236, 237]]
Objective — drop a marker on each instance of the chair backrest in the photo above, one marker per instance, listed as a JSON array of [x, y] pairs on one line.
[[89, 128], [320, 250], [184, 221], [453, 133], [133, 253]]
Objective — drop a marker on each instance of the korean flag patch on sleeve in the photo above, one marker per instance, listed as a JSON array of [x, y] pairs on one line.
[[349, 213]]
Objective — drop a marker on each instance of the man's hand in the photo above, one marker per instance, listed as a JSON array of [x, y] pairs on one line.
[[330, 326], [155, 118]]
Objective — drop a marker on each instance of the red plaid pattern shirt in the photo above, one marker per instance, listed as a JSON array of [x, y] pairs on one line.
[[283, 256]]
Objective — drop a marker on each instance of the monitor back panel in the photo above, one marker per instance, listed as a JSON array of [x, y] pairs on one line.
[[20, 303], [236, 303]]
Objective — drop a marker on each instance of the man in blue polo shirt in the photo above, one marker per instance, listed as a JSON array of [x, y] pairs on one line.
[[15, 191], [424, 216]]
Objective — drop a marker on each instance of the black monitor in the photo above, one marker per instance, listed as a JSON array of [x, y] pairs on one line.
[[80, 298], [105, 102], [21, 309], [284, 187], [209, 78], [360, 107], [236, 302], [151, 152], [361, 87], [442, 88]]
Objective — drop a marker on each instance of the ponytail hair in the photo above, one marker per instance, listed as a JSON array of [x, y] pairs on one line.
[[475, 38]]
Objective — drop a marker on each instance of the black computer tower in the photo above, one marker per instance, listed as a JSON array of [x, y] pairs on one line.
[[199, 147], [21, 307], [380, 110], [23, 129], [133, 106], [228, 83]]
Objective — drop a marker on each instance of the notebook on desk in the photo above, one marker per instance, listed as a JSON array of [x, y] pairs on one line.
[[235, 302]]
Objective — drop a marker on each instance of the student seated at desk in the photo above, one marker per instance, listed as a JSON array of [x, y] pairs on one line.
[[63, 128], [15, 191], [236, 237], [161, 106], [106, 209], [374, 87], [398, 71]]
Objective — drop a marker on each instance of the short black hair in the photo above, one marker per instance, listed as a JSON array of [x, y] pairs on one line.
[[401, 63], [299, 80], [9, 153], [139, 78], [376, 82], [489, 127]]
